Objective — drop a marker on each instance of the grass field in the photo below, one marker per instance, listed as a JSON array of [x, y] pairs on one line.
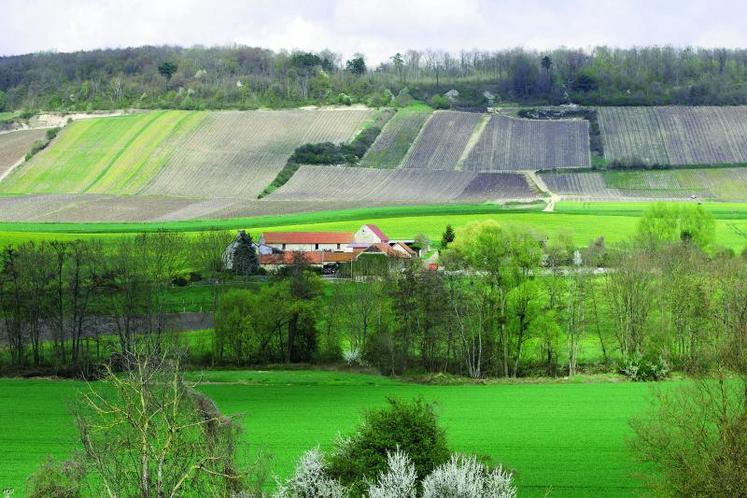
[[568, 438], [585, 221]]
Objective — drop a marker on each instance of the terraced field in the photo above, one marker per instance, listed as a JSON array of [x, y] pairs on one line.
[[723, 184], [674, 135], [179, 153], [14, 146], [395, 139], [528, 144], [443, 140], [411, 185]]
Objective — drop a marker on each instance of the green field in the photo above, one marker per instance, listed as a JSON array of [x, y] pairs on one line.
[[396, 137], [585, 221], [566, 438], [116, 155]]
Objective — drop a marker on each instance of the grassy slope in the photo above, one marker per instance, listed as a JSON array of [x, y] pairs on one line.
[[584, 220], [116, 155], [569, 437], [717, 182], [396, 137]]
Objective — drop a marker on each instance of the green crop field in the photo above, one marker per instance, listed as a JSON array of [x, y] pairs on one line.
[[566, 438], [396, 137], [181, 153], [116, 155], [585, 221]]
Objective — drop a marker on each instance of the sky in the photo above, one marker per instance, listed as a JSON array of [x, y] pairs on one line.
[[376, 28]]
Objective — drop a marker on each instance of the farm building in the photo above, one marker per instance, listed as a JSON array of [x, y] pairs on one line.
[[321, 241], [329, 249]]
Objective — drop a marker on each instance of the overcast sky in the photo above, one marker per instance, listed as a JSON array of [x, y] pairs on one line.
[[377, 28]]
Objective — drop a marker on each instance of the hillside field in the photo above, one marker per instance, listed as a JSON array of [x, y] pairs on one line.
[[722, 184], [14, 146], [402, 185], [569, 438], [179, 153], [674, 135], [509, 143], [396, 137]]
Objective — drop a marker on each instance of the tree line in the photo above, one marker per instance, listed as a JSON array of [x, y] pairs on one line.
[[250, 77], [510, 302]]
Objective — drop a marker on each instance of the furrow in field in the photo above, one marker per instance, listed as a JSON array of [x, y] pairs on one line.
[[401, 185], [530, 144], [675, 135], [15, 145], [237, 154], [442, 140]]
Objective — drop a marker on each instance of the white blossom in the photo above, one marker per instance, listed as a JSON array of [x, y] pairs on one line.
[[311, 480], [399, 481]]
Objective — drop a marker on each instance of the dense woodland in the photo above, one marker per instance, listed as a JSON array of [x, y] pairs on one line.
[[250, 77]]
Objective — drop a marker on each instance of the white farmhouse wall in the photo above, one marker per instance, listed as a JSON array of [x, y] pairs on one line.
[[311, 247], [365, 235]]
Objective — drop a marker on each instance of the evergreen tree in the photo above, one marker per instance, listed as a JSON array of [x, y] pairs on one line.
[[447, 237]]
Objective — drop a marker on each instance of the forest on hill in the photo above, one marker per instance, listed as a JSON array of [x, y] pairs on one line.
[[242, 77]]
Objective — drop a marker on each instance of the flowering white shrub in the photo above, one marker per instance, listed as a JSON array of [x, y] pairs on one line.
[[354, 357], [465, 477], [310, 480], [400, 480]]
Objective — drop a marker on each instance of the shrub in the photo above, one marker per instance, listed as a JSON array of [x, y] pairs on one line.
[[35, 148], [344, 99], [465, 477], [642, 368], [440, 102], [310, 480], [56, 479], [353, 357], [399, 481], [407, 426], [51, 133]]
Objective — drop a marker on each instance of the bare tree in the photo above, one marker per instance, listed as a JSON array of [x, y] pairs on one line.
[[150, 434]]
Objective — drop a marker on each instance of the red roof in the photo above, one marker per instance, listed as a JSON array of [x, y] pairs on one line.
[[406, 248], [385, 249], [376, 230], [307, 238]]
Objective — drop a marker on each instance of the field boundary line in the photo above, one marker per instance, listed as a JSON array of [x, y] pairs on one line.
[[415, 141], [12, 167], [538, 182], [477, 132], [124, 148]]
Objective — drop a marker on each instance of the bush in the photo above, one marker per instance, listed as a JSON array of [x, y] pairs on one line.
[[642, 368], [440, 102], [407, 426], [310, 480], [35, 148], [399, 481], [56, 479], [51, 133], [344, 99], [465, 477]]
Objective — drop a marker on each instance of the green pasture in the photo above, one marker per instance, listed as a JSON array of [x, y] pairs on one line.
[[565, 438], [585, 221]]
